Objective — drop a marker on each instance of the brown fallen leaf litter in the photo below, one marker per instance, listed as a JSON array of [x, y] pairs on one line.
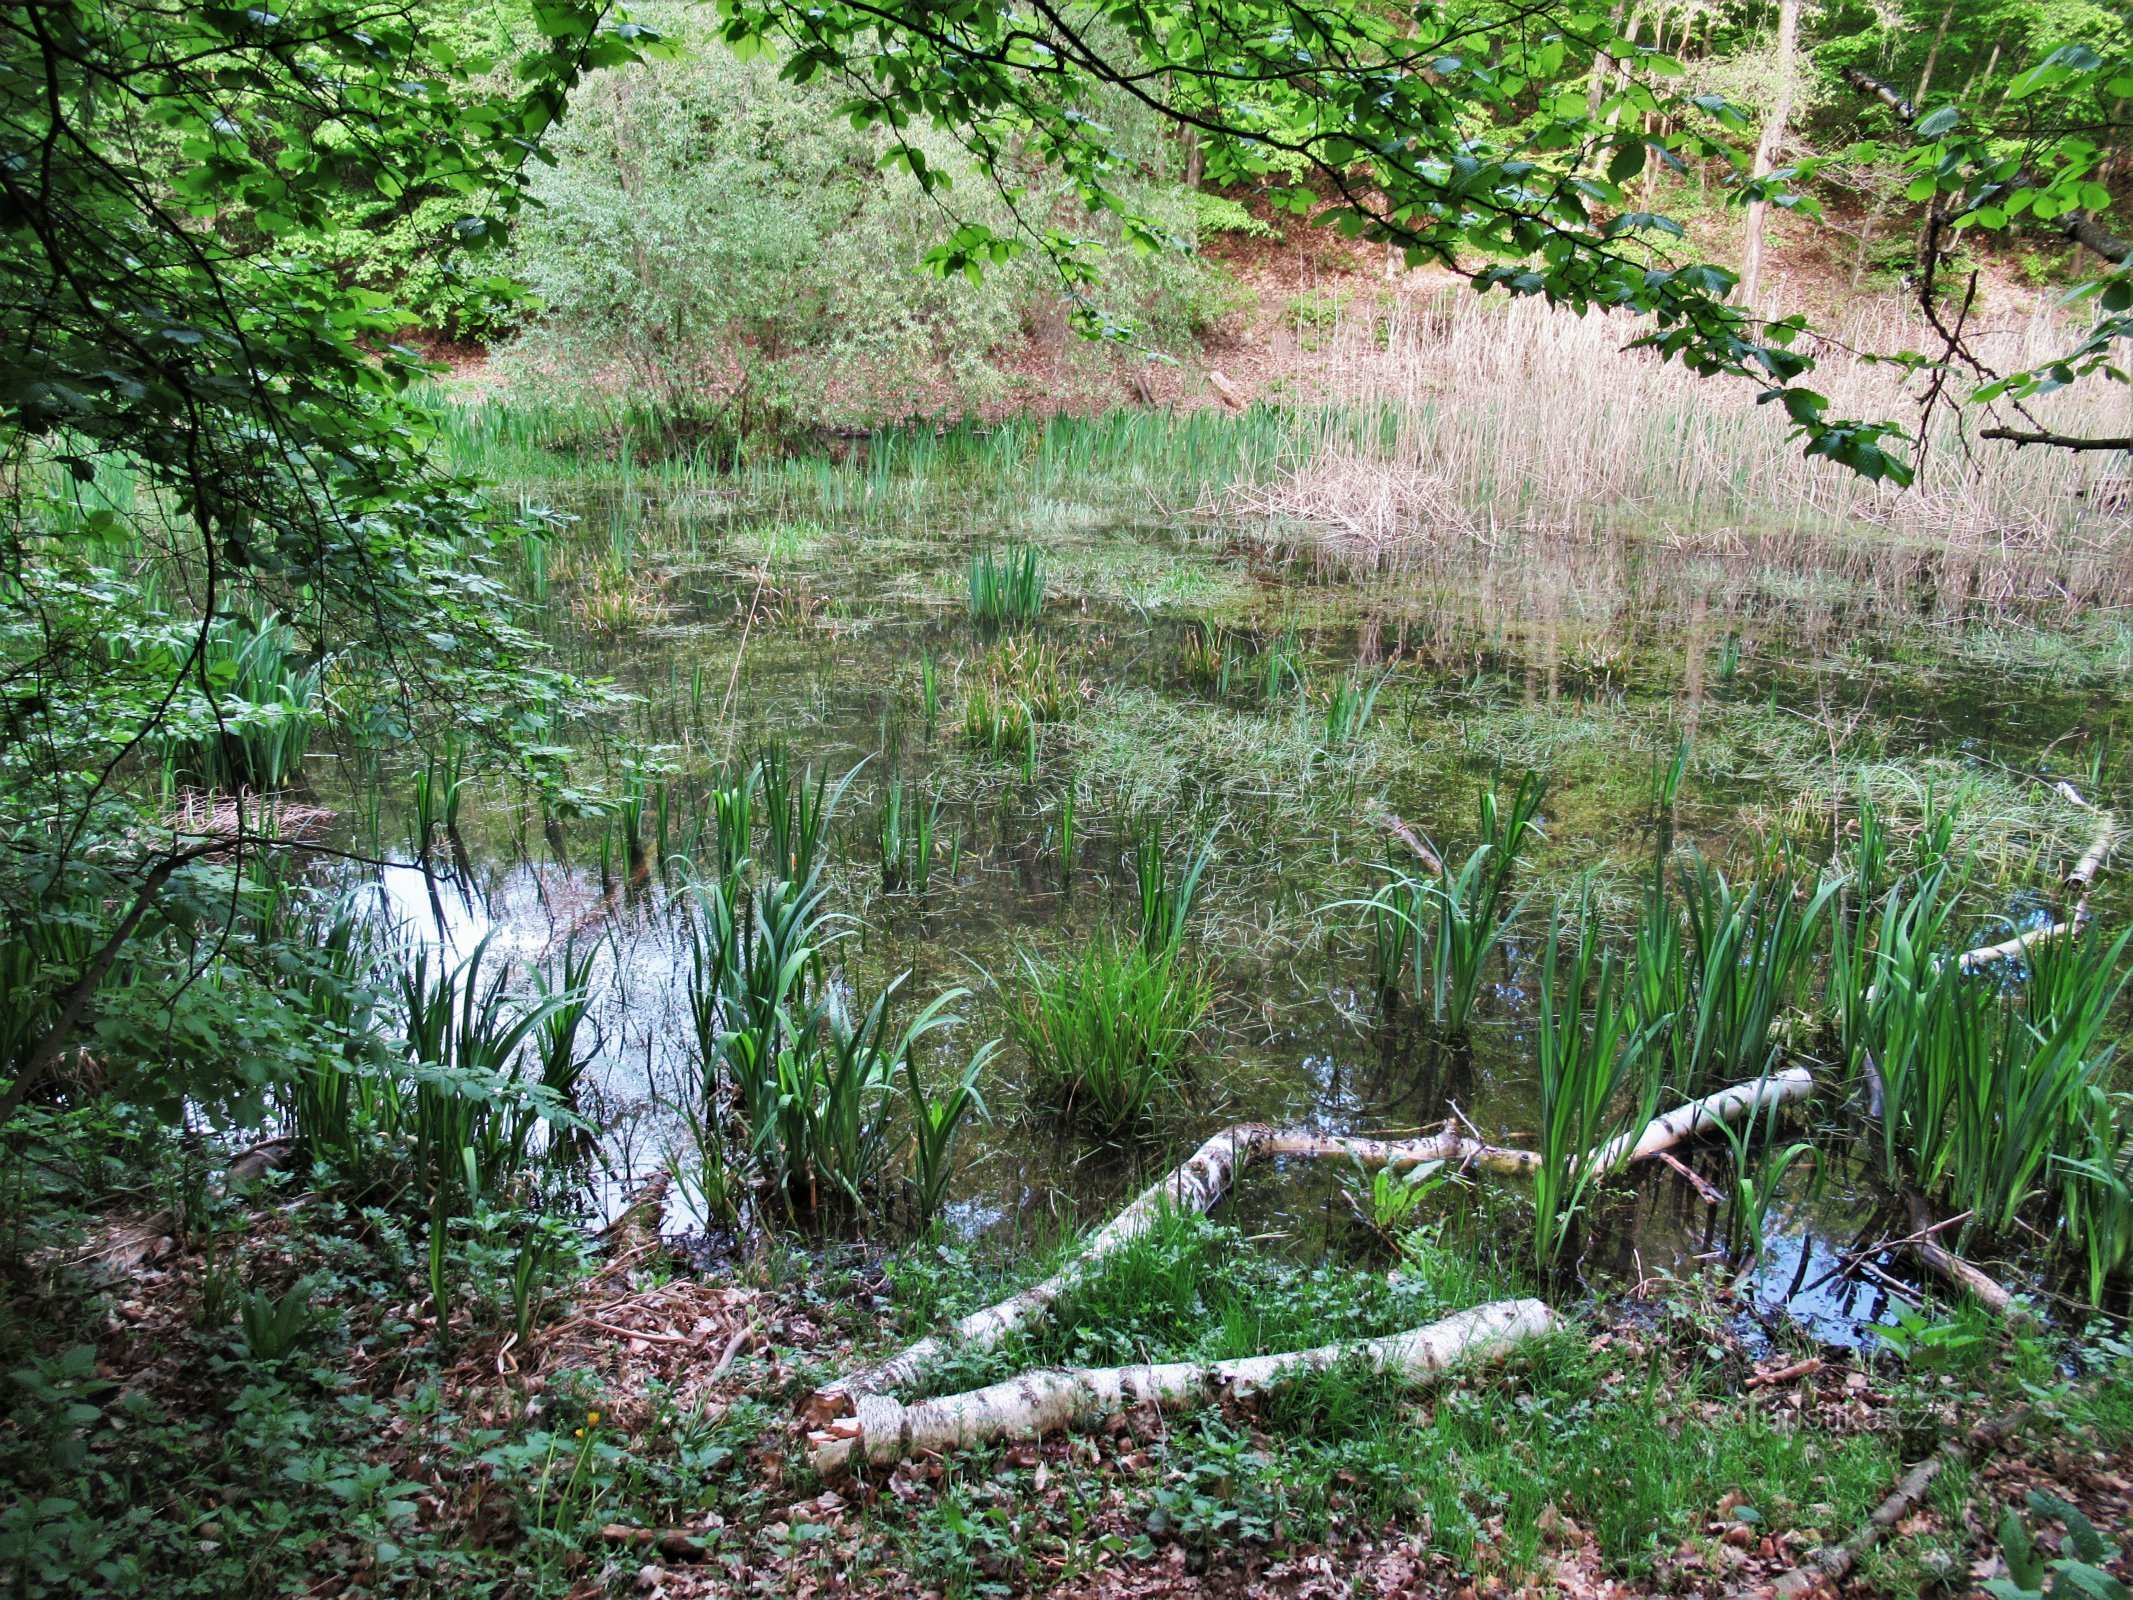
[[704, 1344]]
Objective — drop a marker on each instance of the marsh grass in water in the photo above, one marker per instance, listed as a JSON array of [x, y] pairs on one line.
[[1167, 885], [1007, 587], [1106, 1032], [794, 1090], [1750, 954], [1451, 922], [1595, 1075], [245, 706]]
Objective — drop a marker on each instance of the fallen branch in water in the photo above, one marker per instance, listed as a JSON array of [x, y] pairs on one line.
[[1046, 1401], [1413, 840], [1929, 1251], [1830, 1564], [1988, 1291], [1690, 1176], [1209, 1173], [1698, 1116]]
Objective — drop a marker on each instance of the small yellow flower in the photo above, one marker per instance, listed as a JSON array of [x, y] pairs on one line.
[[580, 1433], [592, 1419]]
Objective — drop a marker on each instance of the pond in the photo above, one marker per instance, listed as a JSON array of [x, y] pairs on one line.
[[1306, 719]]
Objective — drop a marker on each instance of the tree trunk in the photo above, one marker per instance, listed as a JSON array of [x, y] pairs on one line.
[[1048, 1400], [1766, 152], [1940, 37]]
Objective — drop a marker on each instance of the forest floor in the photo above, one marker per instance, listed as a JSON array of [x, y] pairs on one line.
[[643, 1438]]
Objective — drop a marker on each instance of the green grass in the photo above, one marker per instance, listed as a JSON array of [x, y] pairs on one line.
[[1106, 1032], [1006, 589], [1636, 1440], [1595, 1078]]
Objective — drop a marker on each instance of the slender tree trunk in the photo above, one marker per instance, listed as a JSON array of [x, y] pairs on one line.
[[1985, 75], [1940, 37], [1766, 151], [1603, 67]]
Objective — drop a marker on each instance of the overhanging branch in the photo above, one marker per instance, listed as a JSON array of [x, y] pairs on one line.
[[2057, 441]]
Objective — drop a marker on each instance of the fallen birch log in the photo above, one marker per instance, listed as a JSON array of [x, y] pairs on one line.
[[1686, 1121], [1049, 1400], [1211, 1170], [2082, 875], [1193, 1186]]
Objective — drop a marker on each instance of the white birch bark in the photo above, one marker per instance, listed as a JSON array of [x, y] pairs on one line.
[[1208, 1174], [1048, 1400]]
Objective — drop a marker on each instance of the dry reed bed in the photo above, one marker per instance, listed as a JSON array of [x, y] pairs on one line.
[[1515, 418]]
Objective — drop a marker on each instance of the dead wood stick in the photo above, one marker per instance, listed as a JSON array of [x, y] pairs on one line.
[[1225, 391], [1988, 1291], [884, 1431], [1690, 1176], [1799, 1369], [677, 1543], [1833, 1562], [1413, 840], [634, 1333], [733, 1348]]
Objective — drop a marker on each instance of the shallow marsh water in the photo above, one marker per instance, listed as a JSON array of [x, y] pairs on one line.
[[1593, 659]]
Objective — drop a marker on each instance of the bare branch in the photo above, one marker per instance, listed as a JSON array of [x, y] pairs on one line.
[[2058, 441]]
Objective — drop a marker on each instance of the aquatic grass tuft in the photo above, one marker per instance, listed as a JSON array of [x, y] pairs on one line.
[[1349, 706], [1749, 958], [1106, 1031], [1006, 589], [1167, 887], [1462, 912]]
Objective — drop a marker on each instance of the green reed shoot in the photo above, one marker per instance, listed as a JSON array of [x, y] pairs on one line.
[[806, 1086], [1395, 916], [252, 732], [1749, 958], [938, 1120], [1202, 656], [1594, 1082], [1349, 708], [1659, 976], [1470, 908], [1167, 888], [1666, 781], [904, 831], [1006, 589], [797, 812], [566, 999], [1758, 1175]]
